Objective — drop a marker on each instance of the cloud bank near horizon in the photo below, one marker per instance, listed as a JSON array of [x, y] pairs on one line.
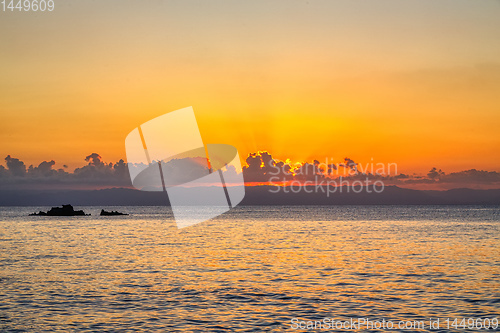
[[96, 173], [260, 168]]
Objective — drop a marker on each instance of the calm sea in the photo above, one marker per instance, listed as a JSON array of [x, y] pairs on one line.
[[253, 269]]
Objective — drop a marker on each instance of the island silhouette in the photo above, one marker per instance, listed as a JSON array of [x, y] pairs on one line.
[[68, 210], [65, 210], [111, 213]]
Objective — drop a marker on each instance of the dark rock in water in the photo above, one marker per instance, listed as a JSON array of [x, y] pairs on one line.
[[65, 210], [111, 213]]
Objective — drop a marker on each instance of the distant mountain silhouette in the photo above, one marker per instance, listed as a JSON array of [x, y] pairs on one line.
[[255, 195]]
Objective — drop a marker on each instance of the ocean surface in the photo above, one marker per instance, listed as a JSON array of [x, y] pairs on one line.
[[253, 269]]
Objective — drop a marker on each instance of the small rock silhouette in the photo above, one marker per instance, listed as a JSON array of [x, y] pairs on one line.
[[111, 213]]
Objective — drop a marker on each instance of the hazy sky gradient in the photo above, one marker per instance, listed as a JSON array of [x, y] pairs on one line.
[[412, 82]]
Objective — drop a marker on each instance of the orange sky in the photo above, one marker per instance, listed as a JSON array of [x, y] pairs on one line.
[[414, 82]]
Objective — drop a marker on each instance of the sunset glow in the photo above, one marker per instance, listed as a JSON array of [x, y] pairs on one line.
[[421, 94]]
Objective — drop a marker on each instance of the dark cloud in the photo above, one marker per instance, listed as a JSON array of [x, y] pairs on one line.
[[15, 166], [94, 159], [262, 168], [309, 172], [3, 172], [43, 169], [435, 174], [348, 163], [462, 178], [98, 171], [184, 170], [471, 176]]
